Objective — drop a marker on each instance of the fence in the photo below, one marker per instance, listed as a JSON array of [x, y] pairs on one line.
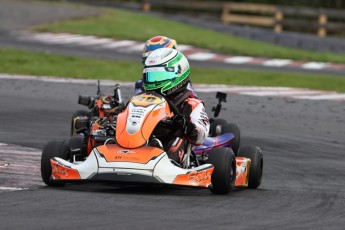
[[276, 17], [272, 16]]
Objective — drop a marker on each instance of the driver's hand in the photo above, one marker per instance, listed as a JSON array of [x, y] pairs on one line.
[[183, 123]]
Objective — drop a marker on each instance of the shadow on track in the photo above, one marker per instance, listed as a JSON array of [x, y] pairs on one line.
[[147, 190]]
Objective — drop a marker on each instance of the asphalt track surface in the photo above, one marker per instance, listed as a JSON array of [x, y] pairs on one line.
[[303, 182]]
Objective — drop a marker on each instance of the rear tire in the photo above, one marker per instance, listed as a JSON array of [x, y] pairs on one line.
[[226, 127], [78, 113], [52, 149], [256, 167], [213, 126], [224, 173]]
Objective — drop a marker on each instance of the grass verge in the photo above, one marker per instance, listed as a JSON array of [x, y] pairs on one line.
[[15, 61], [125, 25]]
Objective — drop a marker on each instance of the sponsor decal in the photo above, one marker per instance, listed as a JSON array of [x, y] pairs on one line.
[[106, 106], [125, 151], [60, 170], [242, 168], [242, 172], [123, 174], [126, 158], [196, 177]]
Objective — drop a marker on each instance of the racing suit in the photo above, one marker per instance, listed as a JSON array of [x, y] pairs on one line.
[[195, 128], [193, 125], [193, 122]]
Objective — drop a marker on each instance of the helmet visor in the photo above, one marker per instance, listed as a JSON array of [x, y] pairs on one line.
[[159, 74]]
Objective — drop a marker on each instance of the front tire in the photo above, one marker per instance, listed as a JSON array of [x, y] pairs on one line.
[[254, 153], [52, 149], [224, 173]]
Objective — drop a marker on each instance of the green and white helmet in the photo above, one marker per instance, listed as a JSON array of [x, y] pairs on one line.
[[166, 71]]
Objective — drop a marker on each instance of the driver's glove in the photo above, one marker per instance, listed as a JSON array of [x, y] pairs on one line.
[[183, 123]]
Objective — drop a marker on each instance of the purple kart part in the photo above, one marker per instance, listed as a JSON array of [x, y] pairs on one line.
[[210, 143]]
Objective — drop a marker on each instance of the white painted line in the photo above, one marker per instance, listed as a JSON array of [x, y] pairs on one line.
[[245, 90], [282, 93], [69, 40], [40, 36], [50, 36], [65, 80], [137, 47], [276, 62], [11, 188], [235, 89], [107, 43], [323, 97], [314, 65], [15, 151], [3, 144], [201, 56], [238, 60], [183, 48], [34, 166], [96, 41], [117, 44]]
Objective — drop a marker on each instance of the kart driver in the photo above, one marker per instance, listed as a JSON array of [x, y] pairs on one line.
[[166, 71], [152, 44]]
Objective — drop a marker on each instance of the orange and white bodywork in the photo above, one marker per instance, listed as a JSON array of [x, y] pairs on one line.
[[141, 165], [135, 124], [242, 171], [146, 165]]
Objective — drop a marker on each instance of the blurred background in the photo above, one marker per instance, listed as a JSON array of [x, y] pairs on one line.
[[281, 62]]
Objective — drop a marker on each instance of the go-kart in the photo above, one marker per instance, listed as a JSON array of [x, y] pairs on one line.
[[136, 154], [98, 123]]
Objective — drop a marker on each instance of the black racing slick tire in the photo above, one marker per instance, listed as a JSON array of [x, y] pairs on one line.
[[78, 113], [77, 145], [225, 127], [52, 149], [254, 153], [224, 173], [213, 126]]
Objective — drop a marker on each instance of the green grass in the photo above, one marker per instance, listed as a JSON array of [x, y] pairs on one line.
[[45, 64], [125, 25]]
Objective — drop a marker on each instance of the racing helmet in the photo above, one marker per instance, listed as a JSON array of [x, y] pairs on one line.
[[166, 71], [156, 43]]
